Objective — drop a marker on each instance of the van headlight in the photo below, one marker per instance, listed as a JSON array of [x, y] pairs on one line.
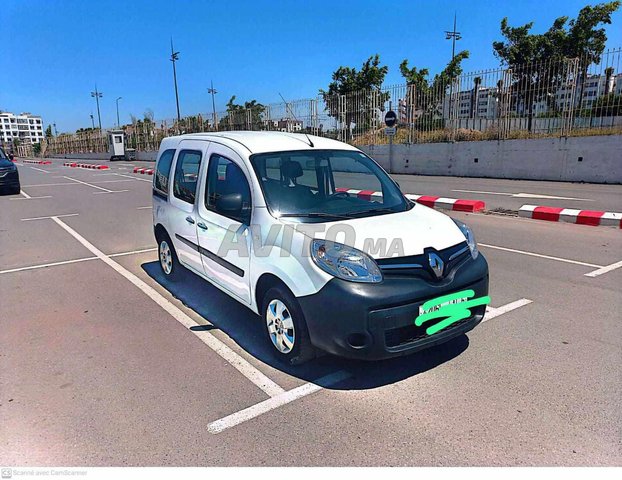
[[470, 238], [345, 262]]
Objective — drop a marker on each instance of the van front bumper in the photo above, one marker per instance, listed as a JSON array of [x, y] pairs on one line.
[[376, 321], [9, 179]]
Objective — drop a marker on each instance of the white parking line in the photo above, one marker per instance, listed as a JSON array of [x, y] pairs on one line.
[[605, 269], [134, 178], [40, 169], [111, 191], [524, 195], [71, 183], [24, 194], [50, 216], [275, 402], [235, 360], [51, 184], [89, 184], [144, 208], [46, 265], [539, 255], [492, 312], [133, 252], [77, 260], [30, 198]]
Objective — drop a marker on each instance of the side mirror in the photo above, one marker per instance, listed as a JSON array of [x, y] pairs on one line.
[[230, 204]]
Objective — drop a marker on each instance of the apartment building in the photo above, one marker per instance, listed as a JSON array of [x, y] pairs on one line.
[[566, 96], [26, 127]]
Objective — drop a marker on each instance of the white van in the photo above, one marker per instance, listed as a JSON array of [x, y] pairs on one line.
[[316, 238]]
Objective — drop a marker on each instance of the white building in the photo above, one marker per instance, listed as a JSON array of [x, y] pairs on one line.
[[565, 97], [25, 127]]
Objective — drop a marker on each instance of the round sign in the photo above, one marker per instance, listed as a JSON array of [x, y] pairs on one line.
[[390, 119]]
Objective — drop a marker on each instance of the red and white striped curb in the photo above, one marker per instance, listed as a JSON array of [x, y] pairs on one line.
[[86, 165], [581, 217], [38, 162], [456, 204], [146, 171]]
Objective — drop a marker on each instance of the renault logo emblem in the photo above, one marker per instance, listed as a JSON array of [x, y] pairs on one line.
[[436, 264]]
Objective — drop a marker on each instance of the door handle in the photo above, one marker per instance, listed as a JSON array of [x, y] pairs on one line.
[[202, 226], [190, 220]]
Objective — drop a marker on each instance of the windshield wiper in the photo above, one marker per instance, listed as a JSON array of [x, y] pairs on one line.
[[318, 215], [375, 210]]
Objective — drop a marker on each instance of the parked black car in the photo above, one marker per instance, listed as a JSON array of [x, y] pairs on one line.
[[9, 176]]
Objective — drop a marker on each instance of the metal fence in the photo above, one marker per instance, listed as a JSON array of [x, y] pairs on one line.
[[563, 97]]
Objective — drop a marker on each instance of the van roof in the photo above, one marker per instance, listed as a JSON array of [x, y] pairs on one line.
[[263, 141]]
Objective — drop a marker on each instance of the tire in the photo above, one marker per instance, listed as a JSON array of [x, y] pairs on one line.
[[286, 328], [167, 256], [16, 190]]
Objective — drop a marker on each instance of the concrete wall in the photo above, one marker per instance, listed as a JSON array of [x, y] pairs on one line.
[[596, 159], [145, 156]]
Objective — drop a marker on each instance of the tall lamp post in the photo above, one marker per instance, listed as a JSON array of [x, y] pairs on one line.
[[118, 124], [453, 35], [174, 58], [97, 95], [213, 92]]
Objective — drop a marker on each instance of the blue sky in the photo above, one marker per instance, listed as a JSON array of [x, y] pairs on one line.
[[56, 51]]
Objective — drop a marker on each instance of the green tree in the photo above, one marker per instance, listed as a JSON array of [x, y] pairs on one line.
[[609, 105], [48, 132], [424, 98], [586, 38], [362, 90], [532, 56], [242, 117]]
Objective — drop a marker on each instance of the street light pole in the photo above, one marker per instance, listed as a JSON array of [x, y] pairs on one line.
[[118, 124], [453, 35], [213, 92], [174, 58], [97, 96]]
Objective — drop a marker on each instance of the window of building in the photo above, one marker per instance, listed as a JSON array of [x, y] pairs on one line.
[[186, 175]]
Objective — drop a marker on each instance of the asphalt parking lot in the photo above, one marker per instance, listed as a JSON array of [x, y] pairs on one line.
[[103, 362]]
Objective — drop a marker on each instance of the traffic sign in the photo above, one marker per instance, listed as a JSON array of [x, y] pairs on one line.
[[390, 119], [390, 131]]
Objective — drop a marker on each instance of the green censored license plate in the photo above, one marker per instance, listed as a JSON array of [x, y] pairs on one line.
[[449, 309]]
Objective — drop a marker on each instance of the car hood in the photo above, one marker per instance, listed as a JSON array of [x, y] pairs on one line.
[[406, 233]]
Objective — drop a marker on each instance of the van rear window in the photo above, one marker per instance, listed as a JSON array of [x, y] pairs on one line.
[[163, 171], [186, 175]]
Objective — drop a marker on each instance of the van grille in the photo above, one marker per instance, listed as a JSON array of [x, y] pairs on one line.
[[418, 265]]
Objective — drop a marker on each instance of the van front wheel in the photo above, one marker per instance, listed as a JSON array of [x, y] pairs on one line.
[[285, 327]]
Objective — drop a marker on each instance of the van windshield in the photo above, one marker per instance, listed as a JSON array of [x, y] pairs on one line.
[[326, 185]]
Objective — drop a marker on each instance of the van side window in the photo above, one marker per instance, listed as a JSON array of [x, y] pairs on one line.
[[223, 178], [163, 171], [186, 175]]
